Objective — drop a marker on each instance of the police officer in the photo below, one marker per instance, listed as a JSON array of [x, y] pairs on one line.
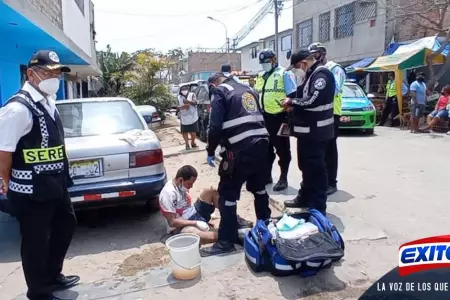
[[312, 123], [390, 101], [34, 172], [331, 157], [236, 123], [274, 84]]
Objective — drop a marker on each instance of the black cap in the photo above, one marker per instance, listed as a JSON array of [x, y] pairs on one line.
[[421, 74], [226, 68], [48, 60], [215, 76], [297, 57]]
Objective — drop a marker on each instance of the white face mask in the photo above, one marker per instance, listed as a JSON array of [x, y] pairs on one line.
[[184, 93], [299, 75], [266, 67], [49, 86]]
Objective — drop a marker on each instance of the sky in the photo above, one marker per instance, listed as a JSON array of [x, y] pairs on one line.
[[131, 25]]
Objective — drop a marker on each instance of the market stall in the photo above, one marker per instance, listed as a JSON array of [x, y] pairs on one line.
[[401, 60]]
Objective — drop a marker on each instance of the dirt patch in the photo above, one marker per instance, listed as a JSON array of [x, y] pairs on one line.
[[169, 137], [156, 256]]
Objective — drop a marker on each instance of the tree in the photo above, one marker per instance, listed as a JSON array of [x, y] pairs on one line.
[[146, 85], [430, 17], [114, 66]]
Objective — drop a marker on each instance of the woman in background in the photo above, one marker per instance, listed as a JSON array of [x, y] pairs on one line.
[[188, 116], [440, 110]]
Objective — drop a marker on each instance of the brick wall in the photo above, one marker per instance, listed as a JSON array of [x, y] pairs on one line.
[[212, 61], [51, 9]]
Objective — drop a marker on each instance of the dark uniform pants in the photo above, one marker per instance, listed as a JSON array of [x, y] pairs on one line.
[[391, 105], [311, 155], [331, 155], [250, 167], [46, 229], [281, 144]]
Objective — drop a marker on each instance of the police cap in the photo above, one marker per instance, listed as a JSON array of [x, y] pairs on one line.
[[265, 56], [297, 57], [317, 47], [213, 78], [48, 60]]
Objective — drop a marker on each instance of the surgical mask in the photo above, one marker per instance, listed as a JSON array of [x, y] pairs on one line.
[[182, 188], [420, 79], [266, 67], [300, 75], [48, 86], [184, 93]]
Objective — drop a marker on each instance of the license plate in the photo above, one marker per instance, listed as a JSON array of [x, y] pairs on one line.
[[345, 119], [86, 169]]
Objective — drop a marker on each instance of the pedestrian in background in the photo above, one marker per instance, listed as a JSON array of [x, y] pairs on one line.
[[34, 170], [188, 116], [418, 92]]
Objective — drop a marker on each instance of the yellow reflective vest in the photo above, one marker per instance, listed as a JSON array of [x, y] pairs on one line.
[[390, 89], [271, 95], [337, 102]]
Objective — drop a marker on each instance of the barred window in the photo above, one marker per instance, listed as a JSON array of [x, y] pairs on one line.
[[254, 52], [286, 43], [272, 45], [365, 10], [324, 27], [344, 21], [304, 31]]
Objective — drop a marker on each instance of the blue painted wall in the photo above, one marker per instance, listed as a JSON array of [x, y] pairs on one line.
[[9, 79]]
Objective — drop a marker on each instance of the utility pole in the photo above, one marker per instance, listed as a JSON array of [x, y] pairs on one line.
[[275, 2]]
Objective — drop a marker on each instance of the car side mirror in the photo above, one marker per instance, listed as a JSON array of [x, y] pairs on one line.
[[370, 96]]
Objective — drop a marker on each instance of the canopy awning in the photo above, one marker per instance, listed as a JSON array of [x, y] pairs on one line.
[[430, 42], [403, 61], [359, 65]]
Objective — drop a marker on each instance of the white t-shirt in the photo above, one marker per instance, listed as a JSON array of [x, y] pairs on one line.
[[173, 200], [188, 116]]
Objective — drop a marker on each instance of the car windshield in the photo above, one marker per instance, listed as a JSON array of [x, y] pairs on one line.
[[352, 91], [98, 118]]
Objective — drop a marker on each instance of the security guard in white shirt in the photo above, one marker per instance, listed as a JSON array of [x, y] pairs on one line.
[[34, 171]]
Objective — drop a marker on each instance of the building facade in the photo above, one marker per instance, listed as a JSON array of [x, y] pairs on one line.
[[350, 29], [64, 26], [199, 65], [250, 52]]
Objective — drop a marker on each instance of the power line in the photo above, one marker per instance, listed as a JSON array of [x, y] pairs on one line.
[[232, 9]]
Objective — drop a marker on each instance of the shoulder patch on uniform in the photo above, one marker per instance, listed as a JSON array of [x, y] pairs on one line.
[[249, 102], [320, 84]]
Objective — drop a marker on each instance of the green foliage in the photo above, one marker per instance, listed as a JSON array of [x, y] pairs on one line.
[[138, 76]]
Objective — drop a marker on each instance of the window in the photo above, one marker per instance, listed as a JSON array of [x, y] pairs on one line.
[[253, 52], [345, 20], [286, 43], [80, 4], [272, 45], [324, 27], [304, 33], [352, 91], [365, 10], [98, 118]]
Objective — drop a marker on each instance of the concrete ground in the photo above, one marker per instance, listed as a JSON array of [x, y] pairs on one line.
[[393, 189]]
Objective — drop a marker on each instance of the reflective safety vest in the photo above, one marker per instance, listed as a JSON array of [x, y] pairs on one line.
[[271, 91], [337, 103], [243, 123], [40, 168], [390, 88]]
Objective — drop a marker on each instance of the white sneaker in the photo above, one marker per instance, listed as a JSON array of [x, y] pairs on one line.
[[448, 132]]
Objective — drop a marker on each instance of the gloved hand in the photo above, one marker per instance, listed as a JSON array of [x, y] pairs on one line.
[[203, 226], [210, 160]]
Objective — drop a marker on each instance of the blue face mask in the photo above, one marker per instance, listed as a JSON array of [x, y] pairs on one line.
[[266, 67]]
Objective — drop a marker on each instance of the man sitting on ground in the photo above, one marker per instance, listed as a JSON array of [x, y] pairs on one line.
[[183, 217]]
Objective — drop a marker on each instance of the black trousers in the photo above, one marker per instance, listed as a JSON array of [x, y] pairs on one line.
[[331, 154], [311, 155], [282, 145], [46, 229], [251, 168], [390, 106]]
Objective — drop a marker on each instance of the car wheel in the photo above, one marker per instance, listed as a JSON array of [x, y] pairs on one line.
[[370, 131], [152, 205]]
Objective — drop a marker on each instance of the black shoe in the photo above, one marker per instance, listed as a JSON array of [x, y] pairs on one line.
[[219, 247], [243, 223], [64, 282], [295, 203], [331, 190], [282, 184]]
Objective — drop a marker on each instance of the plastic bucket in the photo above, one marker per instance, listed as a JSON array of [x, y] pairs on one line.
[[184, 251]]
